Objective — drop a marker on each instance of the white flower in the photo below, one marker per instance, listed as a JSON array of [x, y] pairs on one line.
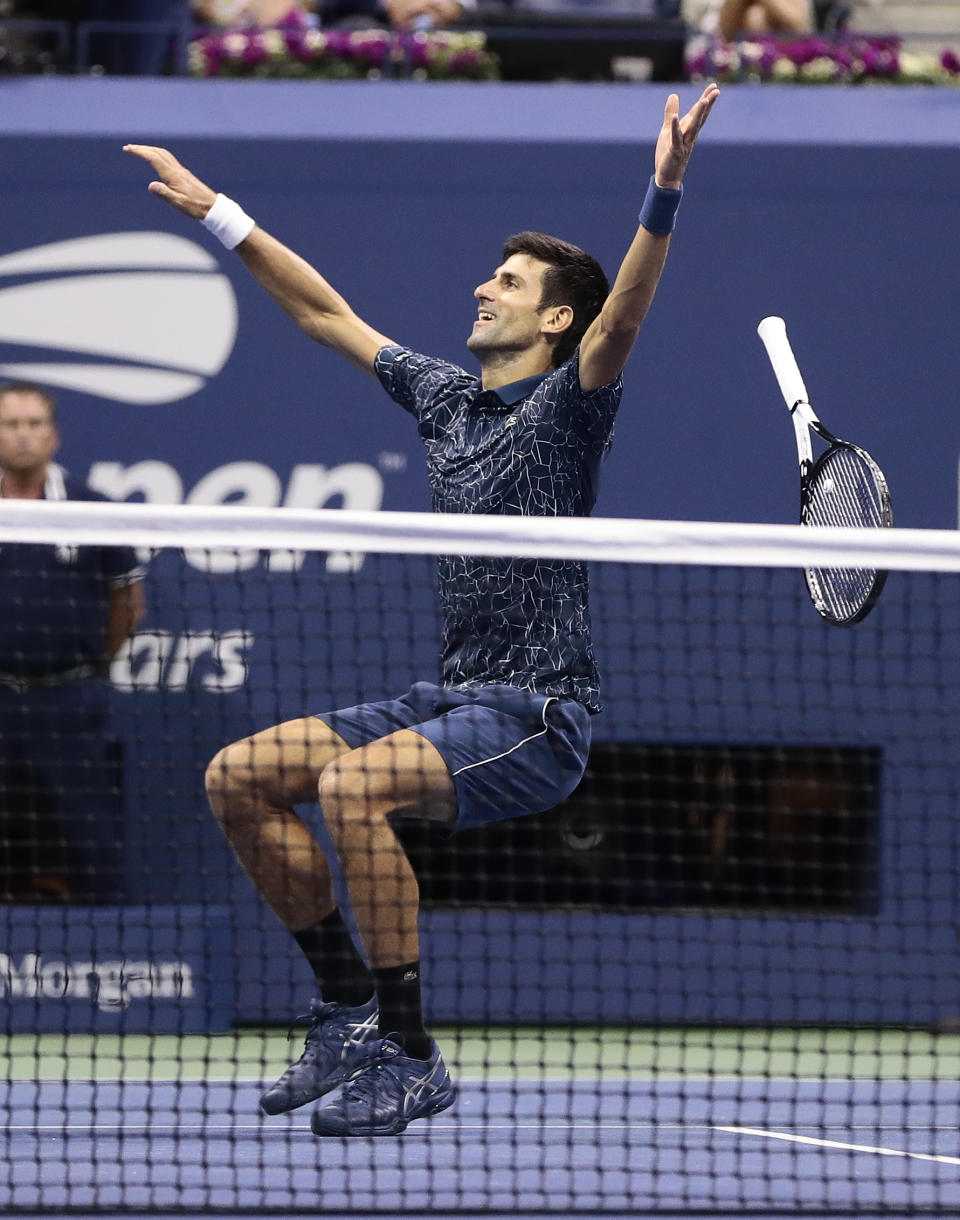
[[274, 43], [234, 45], [726, 59], [922, 68], [784, 70], [820, 69]]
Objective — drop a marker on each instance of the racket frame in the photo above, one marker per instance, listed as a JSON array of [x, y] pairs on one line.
[[773, 333]]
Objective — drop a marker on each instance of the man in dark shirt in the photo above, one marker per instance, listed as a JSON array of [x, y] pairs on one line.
[[64, 612], [507, 730]]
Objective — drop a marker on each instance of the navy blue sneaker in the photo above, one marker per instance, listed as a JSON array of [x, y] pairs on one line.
[[331, 1054], [387, 1091]]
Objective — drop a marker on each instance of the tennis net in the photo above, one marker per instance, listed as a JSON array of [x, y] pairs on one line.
[[719, 979]]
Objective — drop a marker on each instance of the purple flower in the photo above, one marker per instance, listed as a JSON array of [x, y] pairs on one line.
[[304, 51], [369, 47], [295, 19], [879, 62], [294, 38], [256, 50], [337, 43], [805, 50], [699, 65], [950, 62], [418, 50], [768, 57], [466, 61], [849, 58]]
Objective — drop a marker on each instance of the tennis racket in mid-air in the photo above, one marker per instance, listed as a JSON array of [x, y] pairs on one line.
[[845, 486]]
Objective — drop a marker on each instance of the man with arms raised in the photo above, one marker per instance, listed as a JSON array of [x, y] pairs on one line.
[[507, 730]]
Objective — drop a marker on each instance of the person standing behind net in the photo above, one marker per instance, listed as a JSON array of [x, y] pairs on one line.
[[507, 730], [65, 612]]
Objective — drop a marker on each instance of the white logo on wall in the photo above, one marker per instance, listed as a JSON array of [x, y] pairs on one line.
[[154, 310], [108, 985], [160, 660], [354, 485]]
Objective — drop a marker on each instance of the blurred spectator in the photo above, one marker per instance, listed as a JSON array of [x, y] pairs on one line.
[[133, 52], [395, 14], [424, 14], [392, 14], [38, 36], [729, 20], [252, 12], [65, 611]]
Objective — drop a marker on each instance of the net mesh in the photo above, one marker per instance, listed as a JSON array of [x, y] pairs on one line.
[[718, 979]]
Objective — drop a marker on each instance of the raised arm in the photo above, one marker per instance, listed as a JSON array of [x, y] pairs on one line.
[[610, 337], [297, 287]]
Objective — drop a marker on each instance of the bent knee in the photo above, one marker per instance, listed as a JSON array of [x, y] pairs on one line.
[[229, 772], [350, 791], [369, 787], [344, 785]]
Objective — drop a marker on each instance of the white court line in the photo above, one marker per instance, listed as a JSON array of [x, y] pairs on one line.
[[537, 1081], [270, 1126], [822, 1143]]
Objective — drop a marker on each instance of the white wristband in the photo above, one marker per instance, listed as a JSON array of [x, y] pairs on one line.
[[228, 222]]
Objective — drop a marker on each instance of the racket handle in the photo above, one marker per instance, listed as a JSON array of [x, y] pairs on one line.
[[773, 334]]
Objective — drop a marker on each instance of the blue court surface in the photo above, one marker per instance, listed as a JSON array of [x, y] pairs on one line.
[[680, 1147]]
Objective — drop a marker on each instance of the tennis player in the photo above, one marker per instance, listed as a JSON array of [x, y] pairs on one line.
[[507, 730]]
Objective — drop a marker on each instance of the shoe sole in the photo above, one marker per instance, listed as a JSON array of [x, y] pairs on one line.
[[284, 1107], [395, 1128], [272, 1108]]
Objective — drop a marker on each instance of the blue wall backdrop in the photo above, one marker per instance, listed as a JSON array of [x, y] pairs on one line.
[[179, 380]]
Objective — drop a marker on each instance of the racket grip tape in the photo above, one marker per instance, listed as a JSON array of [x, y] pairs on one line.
[[773, 334]]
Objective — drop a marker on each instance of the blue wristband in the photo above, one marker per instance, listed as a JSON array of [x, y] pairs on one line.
[[659, 212]]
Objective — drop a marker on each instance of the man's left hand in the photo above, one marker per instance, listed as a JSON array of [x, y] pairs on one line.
[[678, 136]]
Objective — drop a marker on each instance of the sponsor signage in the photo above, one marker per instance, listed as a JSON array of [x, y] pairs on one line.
[[83, 303], [159, 969], [181, 382]]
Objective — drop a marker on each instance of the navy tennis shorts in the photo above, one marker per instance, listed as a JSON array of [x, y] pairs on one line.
[[510, 752]]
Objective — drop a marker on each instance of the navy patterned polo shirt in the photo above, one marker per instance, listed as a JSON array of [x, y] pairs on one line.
[[55, 600], [532, 448]]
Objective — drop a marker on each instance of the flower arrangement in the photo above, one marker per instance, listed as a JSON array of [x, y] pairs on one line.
[[306, 53], [849, 60]]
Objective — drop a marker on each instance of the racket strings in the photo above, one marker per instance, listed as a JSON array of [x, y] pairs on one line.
[[846, 489]]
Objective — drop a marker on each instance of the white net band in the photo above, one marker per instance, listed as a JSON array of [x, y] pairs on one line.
[[625, 540]]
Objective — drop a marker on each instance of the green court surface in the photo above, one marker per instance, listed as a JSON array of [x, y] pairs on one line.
[[503, 1053], [555, 1121]]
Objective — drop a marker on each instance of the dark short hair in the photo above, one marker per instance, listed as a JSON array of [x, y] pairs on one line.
[[28, 387], [572, 278]]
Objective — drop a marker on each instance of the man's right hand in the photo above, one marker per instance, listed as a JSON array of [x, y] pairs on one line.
[[178, 186], [298, 288]]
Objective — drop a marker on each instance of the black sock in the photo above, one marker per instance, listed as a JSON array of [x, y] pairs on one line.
[[398, 994], [341, 973]]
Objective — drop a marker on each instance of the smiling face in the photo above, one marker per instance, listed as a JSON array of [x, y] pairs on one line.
[[509, 319]]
